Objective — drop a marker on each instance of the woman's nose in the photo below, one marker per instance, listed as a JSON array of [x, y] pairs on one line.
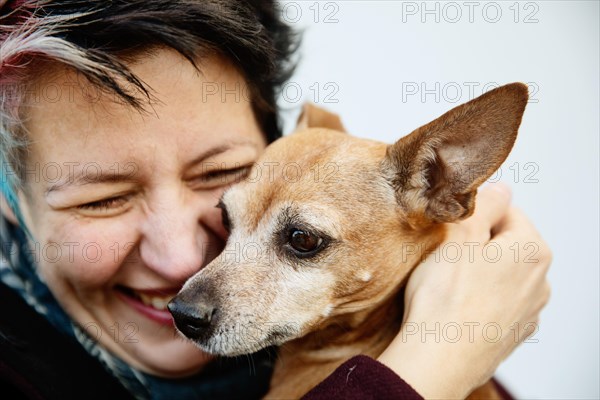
[[174, 240]]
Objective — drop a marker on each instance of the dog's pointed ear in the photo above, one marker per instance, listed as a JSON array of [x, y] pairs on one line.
[[317, 117], [436, 170]]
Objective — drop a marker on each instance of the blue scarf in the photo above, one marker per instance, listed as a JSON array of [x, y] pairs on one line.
[[223, 378]]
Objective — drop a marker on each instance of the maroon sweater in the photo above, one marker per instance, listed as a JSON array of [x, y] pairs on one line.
[[364, 378]]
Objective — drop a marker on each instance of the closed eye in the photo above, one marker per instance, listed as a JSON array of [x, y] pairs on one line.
[[103, 204], [105, 207], [226, 172], [221, 177]]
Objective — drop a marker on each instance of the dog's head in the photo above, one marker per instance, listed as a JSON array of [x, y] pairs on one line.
[[327, 225]]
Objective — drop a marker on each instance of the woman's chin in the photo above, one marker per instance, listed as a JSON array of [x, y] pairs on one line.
[[173, 359]]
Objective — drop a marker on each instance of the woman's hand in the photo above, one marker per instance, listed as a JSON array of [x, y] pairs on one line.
[[464, 315]]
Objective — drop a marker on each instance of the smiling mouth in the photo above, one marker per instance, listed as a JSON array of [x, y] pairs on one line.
[[150, 303], [158, 301]]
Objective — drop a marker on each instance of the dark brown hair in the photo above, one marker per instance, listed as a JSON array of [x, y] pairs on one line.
[[251, 34]]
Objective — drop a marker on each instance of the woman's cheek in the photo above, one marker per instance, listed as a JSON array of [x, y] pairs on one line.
[[87, 255]]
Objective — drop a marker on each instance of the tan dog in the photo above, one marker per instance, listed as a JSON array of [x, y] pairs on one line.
[[316, 259]]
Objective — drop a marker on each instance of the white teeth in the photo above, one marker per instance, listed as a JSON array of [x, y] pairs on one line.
[[160, 303]]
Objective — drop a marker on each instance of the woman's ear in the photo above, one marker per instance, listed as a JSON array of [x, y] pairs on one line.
[[6, 211], [317, 117]]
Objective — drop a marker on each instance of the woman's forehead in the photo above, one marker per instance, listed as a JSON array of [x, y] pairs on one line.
[[177, 93], [70, 119]]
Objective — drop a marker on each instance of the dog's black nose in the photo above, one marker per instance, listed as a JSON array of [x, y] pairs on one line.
[[191, 318]]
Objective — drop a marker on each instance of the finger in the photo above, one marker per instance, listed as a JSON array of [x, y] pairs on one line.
[[493, 202], [541, 298], [528, 248], [516, 225]]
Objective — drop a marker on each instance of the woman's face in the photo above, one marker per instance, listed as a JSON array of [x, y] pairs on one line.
[[122, 203]]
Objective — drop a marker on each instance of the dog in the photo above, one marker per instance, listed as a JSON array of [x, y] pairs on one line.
[[314, 261]]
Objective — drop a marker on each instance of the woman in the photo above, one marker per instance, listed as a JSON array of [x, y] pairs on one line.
[[122, 123]]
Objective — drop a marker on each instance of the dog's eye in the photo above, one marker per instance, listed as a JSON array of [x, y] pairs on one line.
[[304, 242], [224, 215]]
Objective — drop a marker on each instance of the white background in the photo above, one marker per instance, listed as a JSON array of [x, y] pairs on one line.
[[372, 53]]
